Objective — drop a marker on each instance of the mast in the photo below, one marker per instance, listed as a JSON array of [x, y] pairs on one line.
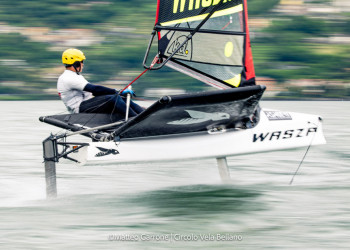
[[248, 59]]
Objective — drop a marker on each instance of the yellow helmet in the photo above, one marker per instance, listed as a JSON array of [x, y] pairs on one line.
[[71, 56]]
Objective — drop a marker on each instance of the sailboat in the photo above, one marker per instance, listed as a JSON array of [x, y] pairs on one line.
[[209, 41]]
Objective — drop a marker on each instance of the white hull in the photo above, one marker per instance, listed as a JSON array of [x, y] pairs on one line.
[[282, 131]]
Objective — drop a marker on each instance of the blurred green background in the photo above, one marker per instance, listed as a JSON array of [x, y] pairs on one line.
[[300, 47]]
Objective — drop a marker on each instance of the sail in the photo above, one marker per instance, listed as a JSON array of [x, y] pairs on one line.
[[219, 52]]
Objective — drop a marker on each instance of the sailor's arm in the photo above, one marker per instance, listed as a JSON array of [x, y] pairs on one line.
[[98, 90]]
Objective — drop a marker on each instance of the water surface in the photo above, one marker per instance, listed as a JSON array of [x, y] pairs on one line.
[[178, 205]]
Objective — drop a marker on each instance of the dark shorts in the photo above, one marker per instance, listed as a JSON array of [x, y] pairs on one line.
[[109, 104]]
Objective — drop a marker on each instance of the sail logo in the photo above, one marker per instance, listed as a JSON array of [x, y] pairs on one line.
[[198, 117], [183, 51], [179, 5], [282, 135]]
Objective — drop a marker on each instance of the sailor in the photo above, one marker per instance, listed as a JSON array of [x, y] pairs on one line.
[[80, 96]]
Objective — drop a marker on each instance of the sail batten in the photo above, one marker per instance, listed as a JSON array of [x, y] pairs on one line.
[[214, 37], [158, 27], [232, 10]]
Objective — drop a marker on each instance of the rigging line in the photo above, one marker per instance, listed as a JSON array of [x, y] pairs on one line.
[[115, 103], [296, 171], [307, 150], [155, 60]]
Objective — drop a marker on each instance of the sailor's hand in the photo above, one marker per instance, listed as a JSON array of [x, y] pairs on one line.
[[128, 91]]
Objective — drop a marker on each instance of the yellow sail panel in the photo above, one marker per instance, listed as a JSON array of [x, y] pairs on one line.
[[228, 11], [235, 81]]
